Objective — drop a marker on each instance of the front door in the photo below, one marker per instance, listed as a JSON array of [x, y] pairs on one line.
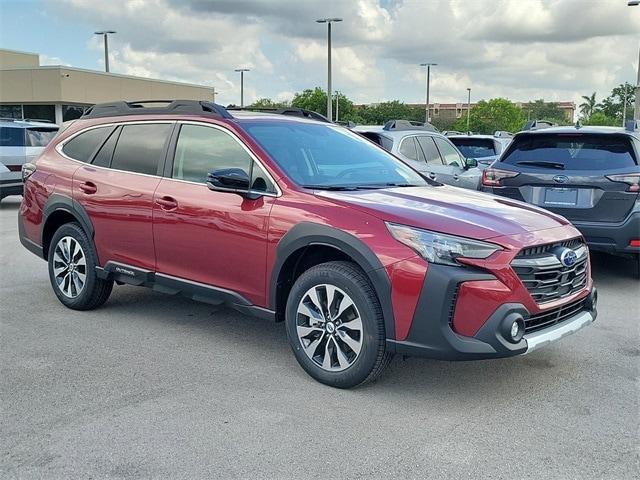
[[212, 237], [456, 173]]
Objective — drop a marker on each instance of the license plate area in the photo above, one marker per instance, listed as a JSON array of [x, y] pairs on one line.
[[561, 197]]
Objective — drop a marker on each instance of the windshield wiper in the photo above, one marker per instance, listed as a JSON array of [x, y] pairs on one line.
[[340, 188], [541, 163]]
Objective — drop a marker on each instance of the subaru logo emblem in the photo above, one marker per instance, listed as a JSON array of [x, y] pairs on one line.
[[567, 257], [561, 179]]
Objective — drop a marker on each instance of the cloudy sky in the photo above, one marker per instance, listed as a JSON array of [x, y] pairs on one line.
[[519, 49]]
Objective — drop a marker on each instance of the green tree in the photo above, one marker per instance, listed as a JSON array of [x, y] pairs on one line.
[[380, 113], [613, 105], [589, 106], [600, 119], [488, 116], [311, 99], [541, 110], [267, 103]]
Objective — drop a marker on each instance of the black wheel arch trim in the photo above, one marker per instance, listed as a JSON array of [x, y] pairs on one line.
[[307, 234], [57, 202]]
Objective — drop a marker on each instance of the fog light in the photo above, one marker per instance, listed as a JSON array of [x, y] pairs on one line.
[[515, 329], [512, 327]]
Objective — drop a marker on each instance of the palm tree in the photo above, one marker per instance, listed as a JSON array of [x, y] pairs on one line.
[[589, 106]]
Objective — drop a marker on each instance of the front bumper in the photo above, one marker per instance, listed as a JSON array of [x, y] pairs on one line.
[[432, 334]]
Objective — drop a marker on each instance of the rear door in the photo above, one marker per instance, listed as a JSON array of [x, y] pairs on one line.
[[116, 186], [566, 173]]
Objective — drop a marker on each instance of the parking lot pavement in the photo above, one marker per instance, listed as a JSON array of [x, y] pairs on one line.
[[158, 386]]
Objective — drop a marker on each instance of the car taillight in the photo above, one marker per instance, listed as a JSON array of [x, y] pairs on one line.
[[631, 179], [492, 177], [27, 170]]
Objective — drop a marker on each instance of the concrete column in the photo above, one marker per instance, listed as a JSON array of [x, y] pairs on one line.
[[58, 110]]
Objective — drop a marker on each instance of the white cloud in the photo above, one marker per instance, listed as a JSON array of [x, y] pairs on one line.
[[521, 49]]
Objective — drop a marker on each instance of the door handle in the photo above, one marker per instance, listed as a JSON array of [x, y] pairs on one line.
[[432, 175], [88, 187], [167, 203], [456, 177]]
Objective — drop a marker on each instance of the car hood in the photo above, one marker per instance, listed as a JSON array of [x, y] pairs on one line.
[[451, 210]]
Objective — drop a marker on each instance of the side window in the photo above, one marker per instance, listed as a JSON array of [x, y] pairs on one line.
[[11, 137], [140, 148], [104, 155], [83, 146], [449, 153], [430, 151], [408, 148], [201, 150]]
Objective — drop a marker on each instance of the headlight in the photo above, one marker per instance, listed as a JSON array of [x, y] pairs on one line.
[[439, 248]]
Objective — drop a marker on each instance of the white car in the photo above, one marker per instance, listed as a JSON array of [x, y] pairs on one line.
[[486, 149], [423, 148], [20, 142]]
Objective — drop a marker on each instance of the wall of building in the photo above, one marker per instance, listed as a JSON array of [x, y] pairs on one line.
[[12, 58]]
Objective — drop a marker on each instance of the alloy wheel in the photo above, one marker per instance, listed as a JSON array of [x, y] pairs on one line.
[[329, 327], [69, 267]]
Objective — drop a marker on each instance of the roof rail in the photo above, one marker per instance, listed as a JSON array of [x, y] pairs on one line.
[[291, 111], [538, 124], [631, 126], [139, 107], [399, 125], [502, 134]]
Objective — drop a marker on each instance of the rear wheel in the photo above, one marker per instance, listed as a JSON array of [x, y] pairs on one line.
[[335, 325], [72, 269]]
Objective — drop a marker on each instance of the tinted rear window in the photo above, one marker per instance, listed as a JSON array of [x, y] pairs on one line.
[[40, 137], [11, 137], [140, 148], [474, 147], [573, 151], [84, 145]]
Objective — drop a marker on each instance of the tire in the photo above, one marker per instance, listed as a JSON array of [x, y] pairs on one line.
[[66, 276], [346, 342]]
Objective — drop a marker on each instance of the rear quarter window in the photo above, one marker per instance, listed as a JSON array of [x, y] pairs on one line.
[[573, 151], [83, 146]]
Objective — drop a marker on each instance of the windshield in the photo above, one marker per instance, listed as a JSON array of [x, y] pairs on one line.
[[320, 155], [474, 147], [40, 137], [572, 151]]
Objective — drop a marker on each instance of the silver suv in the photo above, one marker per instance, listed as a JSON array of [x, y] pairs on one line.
[[426, 150], [20, 142]]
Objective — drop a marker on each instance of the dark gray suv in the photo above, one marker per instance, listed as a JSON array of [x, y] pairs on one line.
[[590, 175]]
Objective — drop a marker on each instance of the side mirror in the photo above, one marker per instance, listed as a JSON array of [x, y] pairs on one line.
[[229, 180], [471, 163]]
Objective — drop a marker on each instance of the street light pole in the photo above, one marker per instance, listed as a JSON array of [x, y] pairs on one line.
[[468, 107], [329, 21], [105, 35], [337, 104], [428, 79], [242, 70], [636, 107]]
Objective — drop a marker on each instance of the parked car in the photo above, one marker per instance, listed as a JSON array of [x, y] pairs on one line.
[[589, 175], [484, 148], [20, 142], [427, 151], [305, 222]]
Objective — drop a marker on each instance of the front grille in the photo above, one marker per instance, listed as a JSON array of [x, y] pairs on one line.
[[539, 249], [557, 315], [545, 277]]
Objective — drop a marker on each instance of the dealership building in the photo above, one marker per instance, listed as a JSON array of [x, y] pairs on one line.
[[57, 93]]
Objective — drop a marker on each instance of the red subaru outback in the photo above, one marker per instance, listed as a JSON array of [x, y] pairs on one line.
[[300, 220]]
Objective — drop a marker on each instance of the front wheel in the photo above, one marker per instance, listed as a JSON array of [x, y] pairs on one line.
[[72, 269], [335, 325]]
